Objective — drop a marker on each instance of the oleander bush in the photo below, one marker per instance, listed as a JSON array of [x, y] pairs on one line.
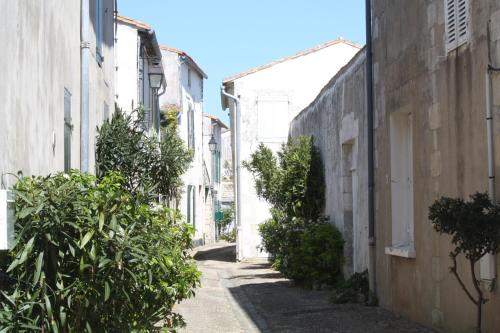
[[91, 257], [302, 243]]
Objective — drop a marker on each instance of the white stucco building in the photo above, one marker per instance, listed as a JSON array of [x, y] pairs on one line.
[[184, 93], [212, 151], [270, 96], [137, 55], [57, 84]]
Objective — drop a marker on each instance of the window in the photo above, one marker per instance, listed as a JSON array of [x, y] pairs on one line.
[[190, 211], [105, 113], [99, 30], [67, 130], [189, 77], [456, 14], [190, 124], [272, 118], [401, 142]]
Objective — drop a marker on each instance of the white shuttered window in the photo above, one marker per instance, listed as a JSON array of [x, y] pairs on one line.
[[457, 23]]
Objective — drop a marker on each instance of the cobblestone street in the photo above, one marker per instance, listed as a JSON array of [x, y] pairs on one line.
[[251, 297]]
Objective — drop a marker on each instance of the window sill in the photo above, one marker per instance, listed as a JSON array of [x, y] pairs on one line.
[[404, 251]]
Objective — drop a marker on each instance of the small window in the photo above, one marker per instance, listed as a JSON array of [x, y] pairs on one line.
[[99, 30], [401, 144], [67, 130], [105, 113], [189, 77], [457, 22], [191, 138]]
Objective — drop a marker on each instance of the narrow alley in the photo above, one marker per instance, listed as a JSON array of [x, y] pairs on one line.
[[252, 297]]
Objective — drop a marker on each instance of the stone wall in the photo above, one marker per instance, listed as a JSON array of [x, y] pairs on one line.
[[444, 92], [336, 120]]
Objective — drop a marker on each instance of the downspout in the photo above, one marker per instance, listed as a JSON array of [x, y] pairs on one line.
[[236, 163], [84, 94], [371, 148], [487, 263]]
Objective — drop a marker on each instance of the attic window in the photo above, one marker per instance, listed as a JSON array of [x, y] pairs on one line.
[[457, 19]]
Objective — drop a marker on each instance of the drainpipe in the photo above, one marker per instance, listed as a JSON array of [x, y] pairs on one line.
[[236, 163], [487, 264], [84, 95], [371, 148]]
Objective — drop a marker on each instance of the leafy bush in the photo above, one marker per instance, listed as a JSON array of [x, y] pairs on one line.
[[229, 236], [356, 289], [90, 256], [123, 145], [303, 245], [475, 230]]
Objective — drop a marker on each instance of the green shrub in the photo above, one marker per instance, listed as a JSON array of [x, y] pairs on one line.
[[301, 242], [356, 289], [123, 145], [229, 236], [90, 256]]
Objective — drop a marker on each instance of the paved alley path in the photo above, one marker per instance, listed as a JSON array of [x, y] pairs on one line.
[[251, 297]]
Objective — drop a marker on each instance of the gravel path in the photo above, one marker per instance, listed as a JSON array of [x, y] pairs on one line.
[[251, 297]]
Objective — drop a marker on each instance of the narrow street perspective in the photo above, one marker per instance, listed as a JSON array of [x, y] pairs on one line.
[[250, 166], [250, 296]]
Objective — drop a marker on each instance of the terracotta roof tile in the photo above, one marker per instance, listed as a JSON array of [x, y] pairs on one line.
[[183, 53], [133, 22]]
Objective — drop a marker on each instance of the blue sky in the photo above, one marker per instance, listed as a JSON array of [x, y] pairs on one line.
[[226, 37]]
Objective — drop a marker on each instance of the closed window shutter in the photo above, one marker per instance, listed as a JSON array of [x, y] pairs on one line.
[[450, 12], [462, 21], [456, 23]]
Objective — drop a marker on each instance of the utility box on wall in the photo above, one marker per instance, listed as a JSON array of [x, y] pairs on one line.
[[7, 219]]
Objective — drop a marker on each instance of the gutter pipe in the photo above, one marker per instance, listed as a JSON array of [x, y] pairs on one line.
[[371, 147], [487, 266], [235, 115], [84, 86]]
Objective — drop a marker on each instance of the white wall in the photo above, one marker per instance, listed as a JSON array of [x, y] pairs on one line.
[[188, 97], [127, 67], [270, 99], [40, 57]]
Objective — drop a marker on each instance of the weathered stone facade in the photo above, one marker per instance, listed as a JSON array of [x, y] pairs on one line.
[[336, 120], [443, 93]]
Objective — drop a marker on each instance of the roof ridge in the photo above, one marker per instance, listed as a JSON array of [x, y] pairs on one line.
[[134, 22], [291, 57]]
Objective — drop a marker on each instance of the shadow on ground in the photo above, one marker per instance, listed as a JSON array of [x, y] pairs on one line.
[[226, 253], [279, 306]]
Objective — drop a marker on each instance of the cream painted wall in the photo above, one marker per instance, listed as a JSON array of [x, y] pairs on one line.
[[287, 87]]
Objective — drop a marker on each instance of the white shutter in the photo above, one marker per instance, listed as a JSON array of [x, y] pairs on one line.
[[456, 14], [450, 19], [462, 21]]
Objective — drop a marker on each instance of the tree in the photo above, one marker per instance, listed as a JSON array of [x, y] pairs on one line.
[[123, 145], [475, 229]]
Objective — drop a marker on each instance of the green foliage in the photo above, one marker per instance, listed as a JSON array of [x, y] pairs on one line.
[[171, 163], [475, 229], [473, 225], [356, 289], [229, 236], [304, 246], [123, 145], [89, 256], [228, 218], [168, 116]]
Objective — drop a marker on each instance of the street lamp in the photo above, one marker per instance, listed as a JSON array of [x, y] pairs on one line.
[[155, 76], [212, 144], [155, 79]]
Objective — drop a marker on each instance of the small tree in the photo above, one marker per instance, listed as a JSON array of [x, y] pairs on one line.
[[123, 145], [475, 230]]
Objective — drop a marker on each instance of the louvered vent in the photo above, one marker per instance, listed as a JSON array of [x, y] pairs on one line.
[[456, 23]]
